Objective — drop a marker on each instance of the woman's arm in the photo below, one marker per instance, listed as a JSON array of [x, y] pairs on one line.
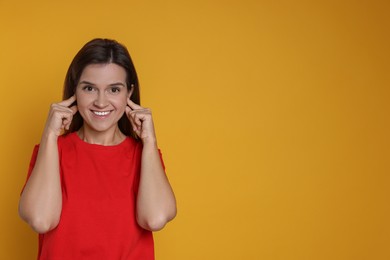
[[156, 203], [41, 200]]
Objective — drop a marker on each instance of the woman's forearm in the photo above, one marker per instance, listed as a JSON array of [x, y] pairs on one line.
[[156, 203], [41, 200]]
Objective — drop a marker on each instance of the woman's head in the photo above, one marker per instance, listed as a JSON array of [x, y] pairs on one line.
[[102, 51]]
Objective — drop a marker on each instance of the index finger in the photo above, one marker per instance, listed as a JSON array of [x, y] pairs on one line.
[[68, 102], [133, 105]]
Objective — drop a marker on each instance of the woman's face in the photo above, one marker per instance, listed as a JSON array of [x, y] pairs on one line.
[[101, 96]]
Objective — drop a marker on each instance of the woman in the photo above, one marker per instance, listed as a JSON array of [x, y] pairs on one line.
[[96, 186]]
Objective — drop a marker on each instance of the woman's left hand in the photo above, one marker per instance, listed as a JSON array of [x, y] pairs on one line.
[[141, 120]]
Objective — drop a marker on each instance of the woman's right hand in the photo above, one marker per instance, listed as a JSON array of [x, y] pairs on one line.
[[60, 116], [41, 200]]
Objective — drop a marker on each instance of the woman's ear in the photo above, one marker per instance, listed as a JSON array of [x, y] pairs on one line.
[[131, 91], [74, 102]]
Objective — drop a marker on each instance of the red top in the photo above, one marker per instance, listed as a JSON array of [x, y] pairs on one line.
[[99, 189]]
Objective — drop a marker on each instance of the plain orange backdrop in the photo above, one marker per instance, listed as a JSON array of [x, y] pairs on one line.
[[273, 118]]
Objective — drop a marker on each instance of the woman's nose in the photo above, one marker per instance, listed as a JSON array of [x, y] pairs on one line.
[[101, 100]]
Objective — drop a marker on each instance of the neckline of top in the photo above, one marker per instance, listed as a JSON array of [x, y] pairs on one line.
[[79, 141]]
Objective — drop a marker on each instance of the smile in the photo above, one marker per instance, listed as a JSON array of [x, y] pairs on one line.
[[101, 113]]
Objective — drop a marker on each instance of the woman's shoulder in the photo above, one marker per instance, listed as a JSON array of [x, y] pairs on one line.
[[134, 142], [66, 138], [67, 141]]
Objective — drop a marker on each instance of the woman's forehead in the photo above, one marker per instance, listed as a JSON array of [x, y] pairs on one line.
[[105, 74]]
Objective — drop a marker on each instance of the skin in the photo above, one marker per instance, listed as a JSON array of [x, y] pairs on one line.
[[102, 98]]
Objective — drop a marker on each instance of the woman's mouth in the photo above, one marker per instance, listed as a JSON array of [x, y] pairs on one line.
[[101, 113]]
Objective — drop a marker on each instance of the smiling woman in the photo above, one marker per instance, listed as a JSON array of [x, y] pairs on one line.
[[96, 186], [101, 100], [100, 53]]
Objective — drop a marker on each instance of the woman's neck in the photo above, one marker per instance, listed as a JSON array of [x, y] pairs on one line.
[[111, 137]]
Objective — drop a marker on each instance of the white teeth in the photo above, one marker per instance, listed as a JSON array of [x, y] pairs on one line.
[[101, 113]]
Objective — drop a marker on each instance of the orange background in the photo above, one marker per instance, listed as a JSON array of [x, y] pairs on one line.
[[273, 118]]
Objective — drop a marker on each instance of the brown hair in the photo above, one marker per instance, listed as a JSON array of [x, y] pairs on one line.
[[102, 51]]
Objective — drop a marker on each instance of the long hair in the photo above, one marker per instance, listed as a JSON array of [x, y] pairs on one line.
[[102, 51]]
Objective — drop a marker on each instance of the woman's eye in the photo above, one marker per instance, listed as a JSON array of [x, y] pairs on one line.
[[88, 88], [115, 90]]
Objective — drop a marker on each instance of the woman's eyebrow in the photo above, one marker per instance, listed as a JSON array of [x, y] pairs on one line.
[[86, 82], [117, 84], [112, 84]]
